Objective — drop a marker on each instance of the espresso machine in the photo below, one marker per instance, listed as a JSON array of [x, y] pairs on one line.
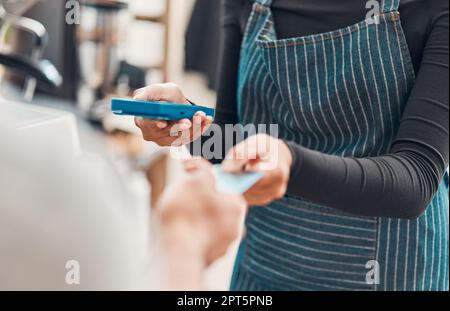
[[28, 64], [101, 35]]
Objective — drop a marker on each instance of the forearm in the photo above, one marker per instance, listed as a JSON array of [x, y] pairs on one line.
[[183, 262], [398, 186]]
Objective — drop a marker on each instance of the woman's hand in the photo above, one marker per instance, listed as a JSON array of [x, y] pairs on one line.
[[265, 154], [198, 219], [166, 133]]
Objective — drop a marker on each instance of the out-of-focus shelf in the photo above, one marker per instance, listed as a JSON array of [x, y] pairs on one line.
[[153, 67], [95, 36], [162, 19], [152, 19]]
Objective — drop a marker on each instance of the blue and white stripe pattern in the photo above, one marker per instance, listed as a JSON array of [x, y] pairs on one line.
[[341, 93]]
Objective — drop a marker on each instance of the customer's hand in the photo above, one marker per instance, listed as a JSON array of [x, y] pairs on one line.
[[265, 154], [196, 164], [166, 133], [198, 219]]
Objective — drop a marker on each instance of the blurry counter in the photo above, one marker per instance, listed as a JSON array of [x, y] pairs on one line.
[[38, 122], [62, 128]]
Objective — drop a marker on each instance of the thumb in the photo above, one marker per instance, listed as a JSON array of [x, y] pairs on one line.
[[239, 158]]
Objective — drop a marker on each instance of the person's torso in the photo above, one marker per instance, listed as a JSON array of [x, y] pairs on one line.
[[340, 91]]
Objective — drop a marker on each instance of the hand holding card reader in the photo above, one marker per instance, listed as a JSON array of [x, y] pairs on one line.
[[225, 182], [157, 110]]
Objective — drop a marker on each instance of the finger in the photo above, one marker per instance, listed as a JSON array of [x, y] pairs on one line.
[[239, 157], [180, 126], [161, 92], [165, 135], [261, 192], [195, 164], [259, 189], [150, 123], [262, 164], [153, 92], [234, 166], [266, 191], [138, 121], [259, 197], [140, 94], [138, 91], [250, 155], [169, 141], [256, 200], [190, 167], [184, 139], [185, 124], [161, 124], [198, 118], [197, 126], [207, 122]]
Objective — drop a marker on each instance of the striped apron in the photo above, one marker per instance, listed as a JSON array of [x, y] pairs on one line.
[[341, 93]]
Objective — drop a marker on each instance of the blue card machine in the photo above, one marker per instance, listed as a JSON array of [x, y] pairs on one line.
[[157, 110]]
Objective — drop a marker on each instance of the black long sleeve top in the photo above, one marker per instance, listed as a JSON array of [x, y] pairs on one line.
[[400, 184]]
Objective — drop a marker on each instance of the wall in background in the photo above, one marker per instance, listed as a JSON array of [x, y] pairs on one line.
[[145, 40]]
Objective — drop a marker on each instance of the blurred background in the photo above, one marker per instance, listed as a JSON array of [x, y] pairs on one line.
[[62, 61]]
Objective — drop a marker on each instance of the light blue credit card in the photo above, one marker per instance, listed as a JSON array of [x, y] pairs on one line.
[[235, 183]]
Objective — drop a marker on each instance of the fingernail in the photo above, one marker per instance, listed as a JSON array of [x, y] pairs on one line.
[[209, 118], [139, 120], [161, 125], [226, 166], [137, 95], [185, 126]]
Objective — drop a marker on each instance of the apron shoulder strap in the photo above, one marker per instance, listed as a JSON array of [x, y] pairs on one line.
[[389, 6], [266, 3]]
